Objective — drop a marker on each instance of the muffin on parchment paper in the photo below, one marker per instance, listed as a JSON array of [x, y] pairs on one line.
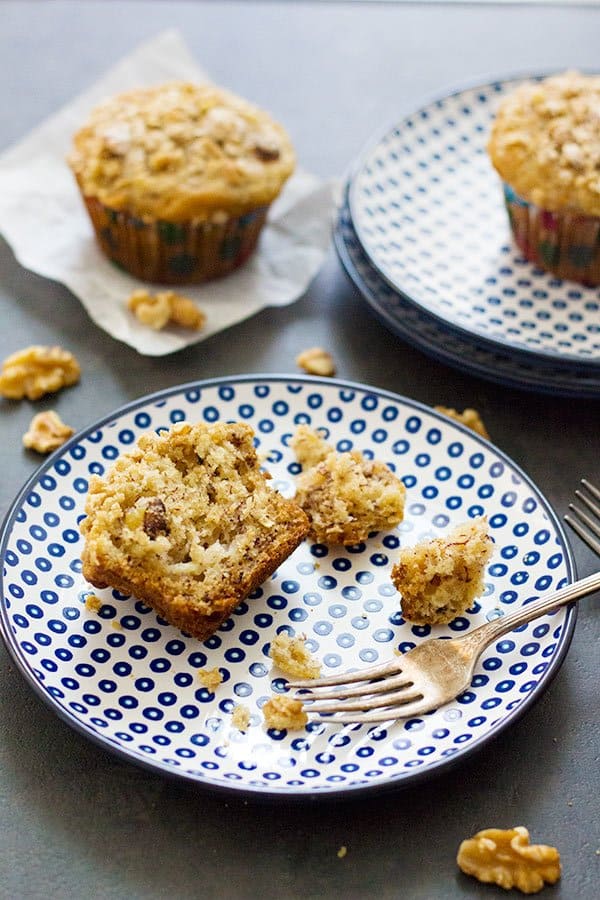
[[177, 179], [545, 145]]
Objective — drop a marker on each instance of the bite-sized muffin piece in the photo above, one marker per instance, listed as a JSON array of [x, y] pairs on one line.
[[177, 179], [188, 523], [292, 657], [344, 495], [440, 578], [283, 712], [545, 145]]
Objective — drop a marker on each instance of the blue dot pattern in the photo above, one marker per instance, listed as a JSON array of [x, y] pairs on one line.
[[122, 674]]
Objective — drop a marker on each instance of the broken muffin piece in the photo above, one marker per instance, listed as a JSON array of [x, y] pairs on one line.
[[188, 523], [344, 495], [439, 579], [281, 712]]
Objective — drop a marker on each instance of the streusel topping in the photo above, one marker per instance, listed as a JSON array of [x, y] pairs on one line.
[[181, 152], [545, 142]]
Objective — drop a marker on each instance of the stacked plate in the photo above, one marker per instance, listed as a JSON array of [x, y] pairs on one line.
[[423, 233]]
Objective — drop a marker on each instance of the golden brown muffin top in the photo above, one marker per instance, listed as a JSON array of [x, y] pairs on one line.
[[545, 142], [181, 152]]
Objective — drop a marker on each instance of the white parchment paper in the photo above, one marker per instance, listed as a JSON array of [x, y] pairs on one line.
[[44, 221]]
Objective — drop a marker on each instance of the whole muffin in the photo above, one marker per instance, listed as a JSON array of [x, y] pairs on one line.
[[545, 145], [177, 179]]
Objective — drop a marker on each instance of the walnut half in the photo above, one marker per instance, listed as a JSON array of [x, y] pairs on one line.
[[47, 432], [37, 370], [506, 858], [158, 310], [316, 361]]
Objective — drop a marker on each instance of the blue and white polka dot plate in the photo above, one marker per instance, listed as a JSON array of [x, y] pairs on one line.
[[453, 348], [130, 682], [427, 207]]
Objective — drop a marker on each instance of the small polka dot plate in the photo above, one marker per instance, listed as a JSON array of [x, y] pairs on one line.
[[428, 209], [120, 675]]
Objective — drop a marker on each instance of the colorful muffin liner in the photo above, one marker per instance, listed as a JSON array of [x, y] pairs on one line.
[[564, 243], [175, 252]]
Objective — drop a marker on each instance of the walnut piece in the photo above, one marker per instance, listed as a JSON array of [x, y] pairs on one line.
[[158, 310], [506, 858], [316, 361], [37, 370], [155, 518], [281, 712], [468, 417], [46, 432]]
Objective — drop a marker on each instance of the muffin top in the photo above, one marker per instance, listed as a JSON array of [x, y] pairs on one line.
[[545, 142], [181, 152]]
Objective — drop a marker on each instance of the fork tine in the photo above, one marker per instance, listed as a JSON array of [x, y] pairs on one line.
[[393, 667], [591, 488], [375, 701], [363, 689], [590, 524], [390, 714]]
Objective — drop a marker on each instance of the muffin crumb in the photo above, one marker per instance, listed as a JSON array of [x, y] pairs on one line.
[[342, 852], [284, 713], [210, 678], [93, 603], [291, 656], [240, 717]]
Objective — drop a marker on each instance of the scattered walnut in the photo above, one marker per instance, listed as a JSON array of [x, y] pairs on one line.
[[155, 518], [36, 371], [157, 310], [292, 657], [240, 717], [507, 859], [210, 678], [468, 417], [153, 310], [316, 361], [184, 312], [46, 432], [283, 712]]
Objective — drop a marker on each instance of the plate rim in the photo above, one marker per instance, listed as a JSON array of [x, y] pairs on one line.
[[270, 792], [438, 352], [548, 356]]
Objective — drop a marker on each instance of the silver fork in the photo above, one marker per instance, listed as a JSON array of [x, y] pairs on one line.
[[583, 519], [429, 675]]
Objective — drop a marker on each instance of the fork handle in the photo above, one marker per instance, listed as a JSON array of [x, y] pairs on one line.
[[489, 632]]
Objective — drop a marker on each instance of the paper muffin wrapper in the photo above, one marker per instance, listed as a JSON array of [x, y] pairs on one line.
[[175, 252], [564, 243]]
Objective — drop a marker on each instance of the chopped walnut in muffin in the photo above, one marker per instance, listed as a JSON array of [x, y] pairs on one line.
[[46, 432], [37, 370], [316, 361], [158, 310], [468, 417], [292, 657], [281, 712], [506, 858]]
